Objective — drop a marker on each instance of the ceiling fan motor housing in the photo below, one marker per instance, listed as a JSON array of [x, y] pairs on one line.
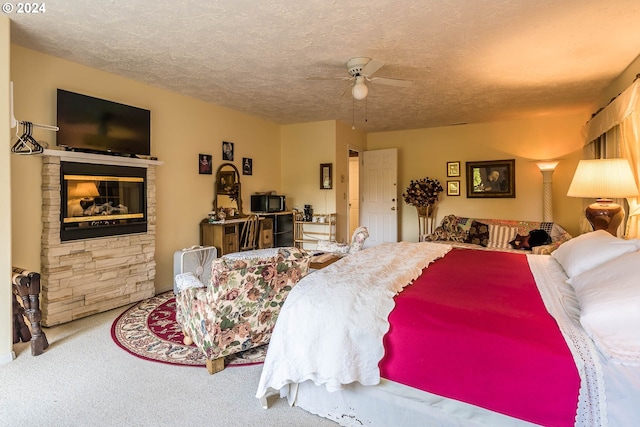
[[355, 65]]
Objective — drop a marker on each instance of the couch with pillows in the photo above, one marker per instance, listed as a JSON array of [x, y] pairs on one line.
[[498, 234]]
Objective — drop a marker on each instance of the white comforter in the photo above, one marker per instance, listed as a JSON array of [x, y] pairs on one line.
[[349, 347]]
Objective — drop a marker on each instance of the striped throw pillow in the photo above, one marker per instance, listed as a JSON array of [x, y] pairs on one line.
[[501, 235]]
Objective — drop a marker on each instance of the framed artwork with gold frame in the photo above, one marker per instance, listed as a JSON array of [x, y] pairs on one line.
[[453, 169], [491, 179], [453, 188]]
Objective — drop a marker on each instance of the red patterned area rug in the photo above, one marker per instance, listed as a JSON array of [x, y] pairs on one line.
[[149, 330]]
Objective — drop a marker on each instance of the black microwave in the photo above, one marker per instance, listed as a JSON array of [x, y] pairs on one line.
[[267, 203]]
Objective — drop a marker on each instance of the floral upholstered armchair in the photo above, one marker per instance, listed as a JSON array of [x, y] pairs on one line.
[[238, 309], [360, 234]]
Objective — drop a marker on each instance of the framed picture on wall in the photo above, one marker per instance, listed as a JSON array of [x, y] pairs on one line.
[[453, 169], [227, 151], [491, 179], [247, 166], [204, 164], [453, 188], [326, 180]]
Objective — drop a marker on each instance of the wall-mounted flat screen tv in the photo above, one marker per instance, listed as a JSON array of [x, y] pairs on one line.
[[96, 125]]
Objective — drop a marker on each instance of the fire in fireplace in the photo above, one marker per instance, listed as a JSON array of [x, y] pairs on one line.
[[101, 200]]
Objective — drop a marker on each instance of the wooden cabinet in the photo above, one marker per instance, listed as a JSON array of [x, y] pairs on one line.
[[265, 234], [322, 227], [224, 236]]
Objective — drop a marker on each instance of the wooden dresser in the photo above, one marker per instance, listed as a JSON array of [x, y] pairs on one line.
[[224, 236]]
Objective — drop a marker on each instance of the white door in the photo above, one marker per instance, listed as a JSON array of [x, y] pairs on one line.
[[379, 195]]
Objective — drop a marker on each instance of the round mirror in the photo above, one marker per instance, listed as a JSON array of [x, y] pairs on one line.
[[227, 196]]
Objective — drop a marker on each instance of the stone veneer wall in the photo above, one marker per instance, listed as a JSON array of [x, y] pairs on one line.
[[84, 277]]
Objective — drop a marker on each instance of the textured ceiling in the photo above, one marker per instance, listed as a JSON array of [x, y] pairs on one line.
[[470, 60]]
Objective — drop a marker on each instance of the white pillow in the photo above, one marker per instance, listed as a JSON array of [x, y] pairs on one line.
[[187, 280], [609, 297], [589, 250]]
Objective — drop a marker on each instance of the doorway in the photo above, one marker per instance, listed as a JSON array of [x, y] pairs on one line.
[[354, 192]]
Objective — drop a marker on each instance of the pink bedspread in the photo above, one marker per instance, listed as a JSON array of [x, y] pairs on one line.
[[473, 327]]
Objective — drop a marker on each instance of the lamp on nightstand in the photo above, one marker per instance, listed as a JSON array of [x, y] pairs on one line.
[[605, 179]]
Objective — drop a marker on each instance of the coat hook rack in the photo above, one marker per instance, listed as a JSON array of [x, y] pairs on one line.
[[26, 143], [15, 122]]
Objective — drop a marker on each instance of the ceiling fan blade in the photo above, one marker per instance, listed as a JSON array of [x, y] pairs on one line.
[[328, 78], [346, 88], [371, 67], [391, 82]]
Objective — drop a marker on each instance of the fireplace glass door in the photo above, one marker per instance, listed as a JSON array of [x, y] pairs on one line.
[[101, 200]]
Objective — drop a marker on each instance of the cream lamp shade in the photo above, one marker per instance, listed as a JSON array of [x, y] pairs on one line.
[[547, 165], [81, 196], [604, 179], [84, 190]]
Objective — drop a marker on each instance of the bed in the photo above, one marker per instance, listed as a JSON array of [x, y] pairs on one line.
[[426, 334]]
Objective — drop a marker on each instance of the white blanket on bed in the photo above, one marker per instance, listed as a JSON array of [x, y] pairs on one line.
[[349, 345]]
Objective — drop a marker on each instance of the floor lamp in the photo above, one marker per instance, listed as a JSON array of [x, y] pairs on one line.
[[605, 179], [547, 167]]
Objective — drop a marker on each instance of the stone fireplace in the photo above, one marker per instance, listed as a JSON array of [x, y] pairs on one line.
[[101, 200], [90, 275]]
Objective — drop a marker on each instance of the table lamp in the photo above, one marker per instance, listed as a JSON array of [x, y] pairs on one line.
[[81, 196], [604, 179]]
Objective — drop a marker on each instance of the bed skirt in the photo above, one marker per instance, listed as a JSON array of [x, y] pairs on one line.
[[391, 403]]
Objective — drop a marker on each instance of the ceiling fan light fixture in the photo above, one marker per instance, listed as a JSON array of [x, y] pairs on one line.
[[360, 89]]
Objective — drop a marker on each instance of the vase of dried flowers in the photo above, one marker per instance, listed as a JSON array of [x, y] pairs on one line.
[[423, 194], [425, 210]]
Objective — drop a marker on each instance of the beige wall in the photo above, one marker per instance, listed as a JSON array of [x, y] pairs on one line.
[[304, 147], [424, 152], [182, 127], [6, 333]]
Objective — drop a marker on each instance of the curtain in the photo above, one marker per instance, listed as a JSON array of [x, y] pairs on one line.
[[630, 147], [623, 114]]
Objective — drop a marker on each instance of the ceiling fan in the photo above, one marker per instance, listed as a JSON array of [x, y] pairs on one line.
[[361, 70]]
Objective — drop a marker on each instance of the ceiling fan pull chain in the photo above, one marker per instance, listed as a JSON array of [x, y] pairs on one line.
[[353, 113], [366, 110]]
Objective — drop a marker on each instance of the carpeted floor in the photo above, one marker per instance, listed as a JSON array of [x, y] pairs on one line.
[[85, 379], [149, 330]]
